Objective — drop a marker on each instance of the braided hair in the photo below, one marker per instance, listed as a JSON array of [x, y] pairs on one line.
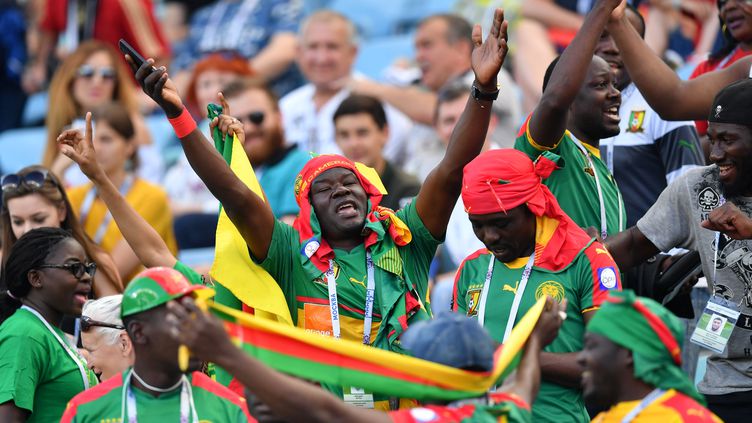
[[27, 254]]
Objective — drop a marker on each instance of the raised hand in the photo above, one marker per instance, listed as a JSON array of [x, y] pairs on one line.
[[202, 333], [618, 11], [227, 124], [729, 220], [79, 148], [550, 321], [157, 84], [488, 56]]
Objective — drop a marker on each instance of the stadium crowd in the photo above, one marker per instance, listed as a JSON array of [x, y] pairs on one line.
[[324, 210]]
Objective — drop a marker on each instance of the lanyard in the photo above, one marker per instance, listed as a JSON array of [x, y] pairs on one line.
[[721, 201], [517, 296], [89, 202], [66, 346], [187, 406], [334, 302], [645, 403], [601, 201]]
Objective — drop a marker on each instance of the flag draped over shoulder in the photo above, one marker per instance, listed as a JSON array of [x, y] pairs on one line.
[[347, 363], [233, 267]]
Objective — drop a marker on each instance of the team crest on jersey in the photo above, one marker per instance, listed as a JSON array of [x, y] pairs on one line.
[[708, 199], [322, 279], [607, 277], [551, 288], [473, 298], [636, 119], [589, 170]]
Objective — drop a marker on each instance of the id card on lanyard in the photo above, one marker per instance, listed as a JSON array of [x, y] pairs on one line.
[[354, 396]]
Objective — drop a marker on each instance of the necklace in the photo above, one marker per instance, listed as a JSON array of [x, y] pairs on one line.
[[154, 388]]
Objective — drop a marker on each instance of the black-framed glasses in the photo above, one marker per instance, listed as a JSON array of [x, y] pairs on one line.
[[257, 118], [89, 71], [33, 180], [77, 269], [88, 323]]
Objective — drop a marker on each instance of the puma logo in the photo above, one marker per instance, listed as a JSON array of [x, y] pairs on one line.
[[602, 251], [357, 282], [510, 288]]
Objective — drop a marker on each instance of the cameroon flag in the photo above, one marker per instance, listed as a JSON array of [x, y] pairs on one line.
[[233, 267], [347, 363]]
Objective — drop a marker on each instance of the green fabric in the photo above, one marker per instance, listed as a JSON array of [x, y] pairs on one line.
[[107, 406], [624, 325], [35, 371], [578, 283], [193, 276], [574, 186]]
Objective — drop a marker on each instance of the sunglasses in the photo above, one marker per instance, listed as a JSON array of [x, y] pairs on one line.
[[77, 269], [33, 180], [88, 323], [257, 118], [88, 72]]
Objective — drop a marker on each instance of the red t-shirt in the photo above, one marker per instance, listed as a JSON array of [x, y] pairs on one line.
[[710, 66]]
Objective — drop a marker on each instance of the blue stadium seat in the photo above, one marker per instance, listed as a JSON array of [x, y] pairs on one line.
[[373, 18], [21, 147], [377, 54]]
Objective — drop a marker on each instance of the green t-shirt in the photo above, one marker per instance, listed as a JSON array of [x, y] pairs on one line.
[[584, 283], [574, 184], [36, 372], [104, 403]]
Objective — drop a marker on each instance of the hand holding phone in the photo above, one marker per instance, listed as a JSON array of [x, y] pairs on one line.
[[130, 51]]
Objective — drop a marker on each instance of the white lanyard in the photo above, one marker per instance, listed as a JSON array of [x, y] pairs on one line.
[[601, 201], [517, 296], [89, 202], [187, 406], [645, 403], [721, 201], [66, 346], [334, 302]]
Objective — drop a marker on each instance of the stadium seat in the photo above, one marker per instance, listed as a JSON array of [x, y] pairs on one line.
[[21, 147]]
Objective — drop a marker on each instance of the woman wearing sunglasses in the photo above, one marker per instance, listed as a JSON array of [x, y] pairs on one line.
[[91, 76], [103, 336], [113, 138], [33, 198], [47, 275]]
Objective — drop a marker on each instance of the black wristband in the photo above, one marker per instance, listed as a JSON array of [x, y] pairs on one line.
[[480, 95]]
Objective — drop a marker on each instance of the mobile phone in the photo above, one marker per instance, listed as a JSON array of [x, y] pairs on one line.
[[130, 51]]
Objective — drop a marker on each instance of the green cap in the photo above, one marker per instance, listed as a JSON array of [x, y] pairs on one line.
[[154, 287]]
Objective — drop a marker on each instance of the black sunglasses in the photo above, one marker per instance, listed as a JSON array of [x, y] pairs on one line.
[[77, 269], [33, 180], [256, 118], [88, 72], [88, 323]]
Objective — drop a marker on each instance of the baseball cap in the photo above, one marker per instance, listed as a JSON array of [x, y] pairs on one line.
[[154, 287], [451, 339], [733, 104]]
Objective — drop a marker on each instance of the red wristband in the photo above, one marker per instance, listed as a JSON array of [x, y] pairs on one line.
[[183, 124]]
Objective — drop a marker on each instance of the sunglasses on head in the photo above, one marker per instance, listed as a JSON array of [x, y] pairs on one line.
[[77, 269], [257, 118], [88, 72], [33, 180], [88, 323]]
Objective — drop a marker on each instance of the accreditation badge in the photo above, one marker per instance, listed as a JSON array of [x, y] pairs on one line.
[[357, 397], [715, 325]]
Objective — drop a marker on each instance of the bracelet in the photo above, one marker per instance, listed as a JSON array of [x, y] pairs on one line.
[[183, 124]]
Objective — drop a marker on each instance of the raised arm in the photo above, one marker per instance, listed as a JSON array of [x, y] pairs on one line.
[[145, 242], [439, 192], [549, 119], [666, 93], [247, 211]]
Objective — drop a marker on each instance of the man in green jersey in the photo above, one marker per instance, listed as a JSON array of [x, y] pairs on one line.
[[347, 267], [155, 389], [580, 105], [533, 249]]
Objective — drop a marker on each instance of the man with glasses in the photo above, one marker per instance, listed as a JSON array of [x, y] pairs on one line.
[[103, 337], [275, 162]]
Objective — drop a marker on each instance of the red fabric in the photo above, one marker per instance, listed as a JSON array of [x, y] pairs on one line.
[[710, 66], [302, 224], [600, 259], [441, 414], [499, 180], [133, 20], [689, 410], [204, 382], [89, 395], [183, 124]]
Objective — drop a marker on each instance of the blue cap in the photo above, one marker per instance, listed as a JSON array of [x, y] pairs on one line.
[[451, 339]]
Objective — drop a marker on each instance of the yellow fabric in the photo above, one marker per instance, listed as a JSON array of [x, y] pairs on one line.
[[149, 201], [233, 267], [657, 412], [449, 377], [594, 151], [535, 144]]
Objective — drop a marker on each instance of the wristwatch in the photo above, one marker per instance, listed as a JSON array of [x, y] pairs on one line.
[[479, 95]]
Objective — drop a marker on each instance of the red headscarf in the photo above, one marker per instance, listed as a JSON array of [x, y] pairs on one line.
[[307, 223], [499, 180]]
